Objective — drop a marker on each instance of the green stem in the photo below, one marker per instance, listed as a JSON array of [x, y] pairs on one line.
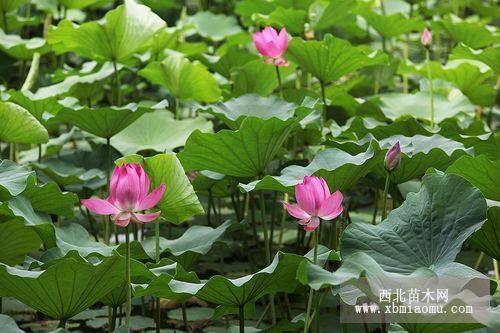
[[431, 88], [264, 227], [128, 311], [157, 256], [158, 314], [62, 324], [282, 224], [112, 322], [323, 98], [5, 23], [311, 290], [108, 179], [242, 319], [30, 80], [117, 85], [39, 153], [278, 75], [184, 317], [384, 197]]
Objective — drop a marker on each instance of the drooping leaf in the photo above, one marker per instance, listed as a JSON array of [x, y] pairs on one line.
[[290, 18], [179, 201], [122, 32], [331, 58], [16, 241], [392, 25], [66, 286], [42, 109], [340, 169], [49, 199], [487, 239], [20, 48], [14, 179], [324, 14], [183, 79], [233, 111], [488, 55], [157, 131], [480, 171], [235, 56], [65, 173], [242, 153], [473, 34], [74, 237], [19, 126], [215, 27]]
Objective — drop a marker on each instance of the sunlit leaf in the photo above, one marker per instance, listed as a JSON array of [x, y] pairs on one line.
[[391, 25], [20, 48], [19, 126], [204, 24]]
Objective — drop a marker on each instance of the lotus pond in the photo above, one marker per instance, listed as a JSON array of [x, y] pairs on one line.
[[247, 165]]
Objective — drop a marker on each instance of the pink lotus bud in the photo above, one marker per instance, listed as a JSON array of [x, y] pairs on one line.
[[393, 158], [314, 202], [272, 45], [426, 38], [128, 196]]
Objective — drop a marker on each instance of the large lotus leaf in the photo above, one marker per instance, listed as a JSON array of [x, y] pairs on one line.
[[105, 121], [248, 8], [75, 83], [279, 276], [41, 108], [233, 111], [49, 199], [331, 58], [340, 169], [157, 131], [14, 179], [392, 25], [203, 23], [123, 31], [194, 242], [20, 48], [487, 239], [183, 79], [66, 287], [257, 77], [324, 14], [489, 55], [481, 172], [19, 126], [418, 153], [471, 77], [179, 202], [242, 153], [74, 237], [427, 230], [291, 18], [9, 325], [474, 34], [65, 173], [235, 56], [396, 105], [80, 4], [17, 240]]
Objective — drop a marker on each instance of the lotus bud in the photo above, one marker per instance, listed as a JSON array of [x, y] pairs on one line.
[[393, 158], [426, 38]]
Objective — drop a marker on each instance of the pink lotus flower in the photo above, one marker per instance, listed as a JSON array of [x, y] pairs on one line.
[[426, 38], [393, 157], [272, 45], [314, 203], [128, 196]]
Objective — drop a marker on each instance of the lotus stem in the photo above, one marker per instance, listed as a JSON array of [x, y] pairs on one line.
[[431, 88], [5, 23], [112, 322], [384, 196], [30, 80], [157, 256], [242, 318], [62, 324], [311, 290], [282, 224], [117, 85], [479, 260], [128, 311], [495, 268], [184, 317], [323, 98], [278, 75]]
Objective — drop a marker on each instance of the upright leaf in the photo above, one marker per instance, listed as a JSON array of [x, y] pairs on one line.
[[19, 126]]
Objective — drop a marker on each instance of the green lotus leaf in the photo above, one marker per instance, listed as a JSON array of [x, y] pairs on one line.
[[80, 4], [17, 240], [10, 5], [121, 33], [488, 55], [20, 48], [203, 23], [257, 77], [487, 238], [179, 202], [75, 237], [157, 131], [418, 153], [66, 287], [9, 325], [19, 126], [324, 14], [65, 173], [103, 122], [233, 111], [291, 18], [480, 171], [235, 56], [242, 153], [49, 199], [340, 169], [392, 25], [183, 79], [279, 276], [396, 105], [14, 179], [331, 58], [471, 77], [75, 83], [41, 108], [248, 8], [473, 34]]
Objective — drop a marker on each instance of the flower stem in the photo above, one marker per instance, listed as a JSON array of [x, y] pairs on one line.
[[184, 317], [112, 322], [323, 98], [117, 86], [127, 273], [157, 256], [242, 319], [278, 75], [266, 249], [431, 88], [62, 324], [384, 196], [311, 290]]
